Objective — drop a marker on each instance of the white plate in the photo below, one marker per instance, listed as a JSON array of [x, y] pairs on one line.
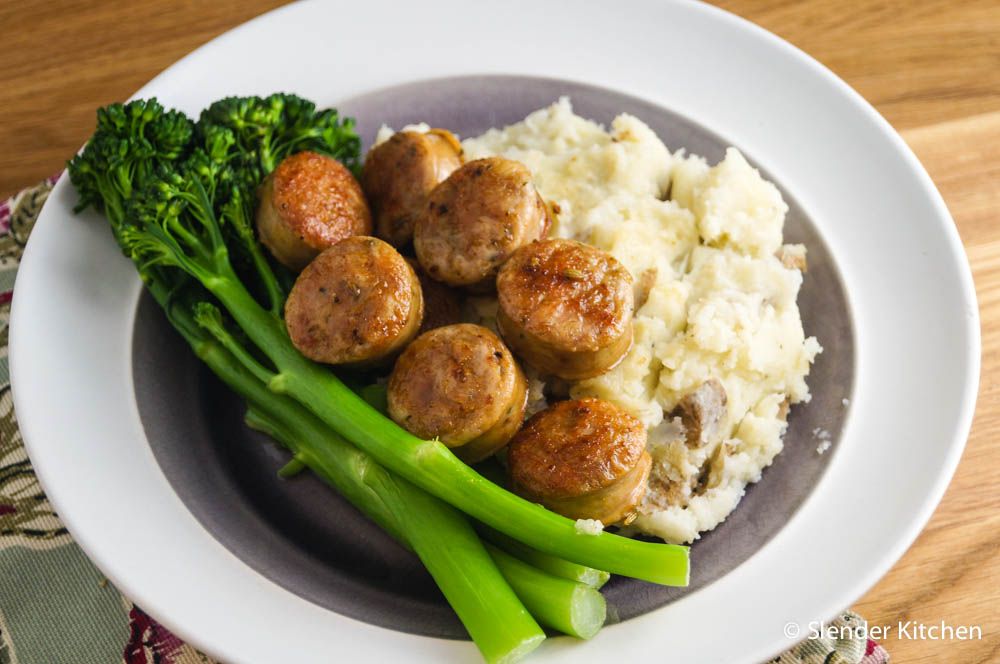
[[901, 259]]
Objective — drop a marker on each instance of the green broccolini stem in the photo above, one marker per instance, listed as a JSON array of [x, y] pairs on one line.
[[273, 289], [570, 607], [565, 569], [267, 160], [294, 466], [204, 211], [209, 318], [334, 460], [376, 396], [496, 619], [236, 213]]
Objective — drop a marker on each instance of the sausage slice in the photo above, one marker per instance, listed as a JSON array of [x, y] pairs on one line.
[[476, 219], [585, 459], [400, 173], [566, 308], [442, 304], [308, 203], [461, 385], [357, 302]]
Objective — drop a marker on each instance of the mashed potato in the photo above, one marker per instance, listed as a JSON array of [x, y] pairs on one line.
[[712, 300]]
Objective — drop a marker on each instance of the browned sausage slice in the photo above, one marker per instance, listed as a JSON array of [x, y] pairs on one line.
[[461, 385], [310, 202], [357, 302], [442, 304], [585, 459], [401, 172], [476, 219], [566, 308]]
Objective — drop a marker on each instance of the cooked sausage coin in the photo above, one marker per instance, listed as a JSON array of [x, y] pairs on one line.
[[307, 204], [401, 172], [357, 302], [442, 304], [585, 459], [476, 219], [461, 385], [566, 308]]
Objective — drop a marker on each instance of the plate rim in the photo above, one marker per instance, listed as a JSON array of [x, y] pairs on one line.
[[32, 424]]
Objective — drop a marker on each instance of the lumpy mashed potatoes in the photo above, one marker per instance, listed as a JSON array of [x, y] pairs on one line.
[[719, 353]]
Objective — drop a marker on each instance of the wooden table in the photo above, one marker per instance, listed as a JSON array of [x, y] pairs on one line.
[[932, 67]]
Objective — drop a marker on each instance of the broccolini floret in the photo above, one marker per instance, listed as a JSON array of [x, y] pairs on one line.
[[265, 130], [134, 144]]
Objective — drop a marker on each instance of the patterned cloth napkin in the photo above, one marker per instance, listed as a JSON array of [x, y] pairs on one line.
[[57, 608]]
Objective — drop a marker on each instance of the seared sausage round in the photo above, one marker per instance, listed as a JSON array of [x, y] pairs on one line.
[[585, 459], [308, 203], [442, 304], [476, 219], [566, 308], [357, 302], [401, 172], [461, 385]]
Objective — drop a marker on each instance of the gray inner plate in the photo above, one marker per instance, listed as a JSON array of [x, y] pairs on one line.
[[303, 536]]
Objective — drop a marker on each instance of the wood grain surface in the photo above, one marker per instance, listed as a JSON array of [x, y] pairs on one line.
[[932, 67]]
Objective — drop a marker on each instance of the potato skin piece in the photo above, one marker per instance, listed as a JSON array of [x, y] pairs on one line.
[[701, 412], [400, 173], [357, 303], [584, 458], [307, 204], [459, 384], [566, 308], [476, 219]]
